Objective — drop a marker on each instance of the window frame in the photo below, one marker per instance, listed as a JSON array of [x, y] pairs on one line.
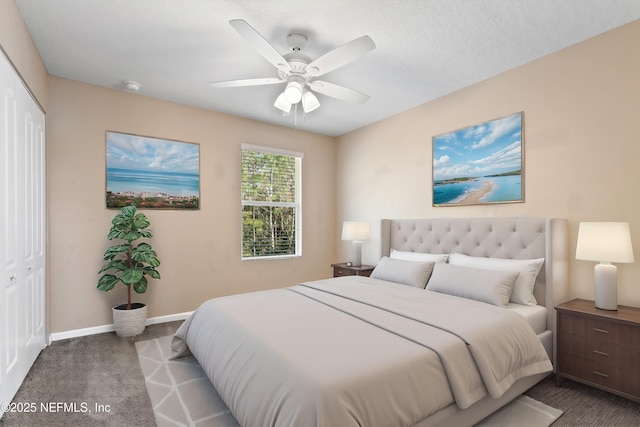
[[297, 205]]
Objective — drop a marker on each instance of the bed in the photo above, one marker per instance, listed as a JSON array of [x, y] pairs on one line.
[[356, 351]]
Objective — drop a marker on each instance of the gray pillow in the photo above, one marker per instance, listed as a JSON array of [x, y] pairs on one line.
[[528, 269], [493, 287], [412, 273]]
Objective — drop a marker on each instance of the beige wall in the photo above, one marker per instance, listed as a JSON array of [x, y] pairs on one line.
[[581, 112], [581, 143], [199, 250]]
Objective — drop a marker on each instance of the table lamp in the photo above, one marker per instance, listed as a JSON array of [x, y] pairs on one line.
[[357, 232], [605, 242]]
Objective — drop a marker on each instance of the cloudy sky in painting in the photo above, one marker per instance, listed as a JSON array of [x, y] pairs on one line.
[[486, 149], [135, 152]]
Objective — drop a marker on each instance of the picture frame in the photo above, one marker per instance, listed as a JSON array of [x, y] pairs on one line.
[[480, 164], [151, 173]]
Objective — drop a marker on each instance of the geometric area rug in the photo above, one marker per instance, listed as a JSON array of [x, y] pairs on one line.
[[182, 395], [522, 411], [180, 392]]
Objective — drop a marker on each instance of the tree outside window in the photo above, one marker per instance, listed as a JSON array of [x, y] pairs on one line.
[[270, 203]]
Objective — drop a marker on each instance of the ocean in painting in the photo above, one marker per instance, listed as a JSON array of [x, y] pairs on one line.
[[453, 193], [504, 189], [139, 181]]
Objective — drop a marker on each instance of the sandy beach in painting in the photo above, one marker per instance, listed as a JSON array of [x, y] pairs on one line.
[[477, 195]]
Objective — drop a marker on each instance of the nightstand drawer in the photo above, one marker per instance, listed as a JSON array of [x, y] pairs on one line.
[[341, 271], [596, 329], [598, 351], [604, 374]]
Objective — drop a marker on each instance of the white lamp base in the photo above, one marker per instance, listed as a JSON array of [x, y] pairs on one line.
[[606, 286], [356, 253]]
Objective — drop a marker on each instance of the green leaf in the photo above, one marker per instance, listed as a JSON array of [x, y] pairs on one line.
[[145, 253], [128, 211], [131, 235], [114, 250], [141, 286], [113, 265], [120, 220], [141, 221], [131, 276], [151, 272], [107, 282], [113, 232], [145, 233]]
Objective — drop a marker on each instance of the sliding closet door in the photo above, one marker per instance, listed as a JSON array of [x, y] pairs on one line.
[[22, 231]]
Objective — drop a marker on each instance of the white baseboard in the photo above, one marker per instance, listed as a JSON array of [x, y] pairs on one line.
[[75, 333]]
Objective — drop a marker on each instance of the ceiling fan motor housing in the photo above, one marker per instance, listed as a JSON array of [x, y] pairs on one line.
[[296, 41]]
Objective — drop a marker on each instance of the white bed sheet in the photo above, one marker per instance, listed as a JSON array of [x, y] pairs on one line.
[[536, 315]]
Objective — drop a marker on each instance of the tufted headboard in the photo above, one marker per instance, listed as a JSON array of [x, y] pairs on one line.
[[514, 238]]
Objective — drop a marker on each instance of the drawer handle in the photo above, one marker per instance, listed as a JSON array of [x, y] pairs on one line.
[[600, 352], [601, 374], [604, 331], [339, 271]]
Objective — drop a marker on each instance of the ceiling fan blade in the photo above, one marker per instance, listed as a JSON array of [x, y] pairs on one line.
[[248, 82], [338, 92], [258, 42], [340, 56]]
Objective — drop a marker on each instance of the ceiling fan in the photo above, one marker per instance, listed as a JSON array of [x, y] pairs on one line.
[[299, 72]]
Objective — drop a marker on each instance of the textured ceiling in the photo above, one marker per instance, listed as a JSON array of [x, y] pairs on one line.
[[424, 48]]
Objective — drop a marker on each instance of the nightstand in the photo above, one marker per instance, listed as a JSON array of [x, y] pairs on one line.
[[343, 270], [599, 348]]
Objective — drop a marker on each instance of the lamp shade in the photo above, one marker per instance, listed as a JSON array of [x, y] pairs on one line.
[[352, 230], [309, 102], [604, 241], [282, 103], [293, 92]]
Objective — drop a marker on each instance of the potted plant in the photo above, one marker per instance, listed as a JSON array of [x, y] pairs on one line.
[[129, 263]]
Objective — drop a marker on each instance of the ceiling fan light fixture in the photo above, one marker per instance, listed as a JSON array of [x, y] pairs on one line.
[[309, 102], [282, 103], [293, 92]]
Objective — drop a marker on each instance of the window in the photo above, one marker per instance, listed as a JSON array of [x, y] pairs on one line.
[[271, 202]]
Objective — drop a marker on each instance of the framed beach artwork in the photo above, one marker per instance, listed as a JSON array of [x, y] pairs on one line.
[[479, 164], [152, 173]]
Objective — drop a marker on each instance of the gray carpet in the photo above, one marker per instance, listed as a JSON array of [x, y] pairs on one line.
[[99, 369], [104, 369], [585, 406]]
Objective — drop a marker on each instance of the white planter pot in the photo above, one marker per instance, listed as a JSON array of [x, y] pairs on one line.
[[129, 323]]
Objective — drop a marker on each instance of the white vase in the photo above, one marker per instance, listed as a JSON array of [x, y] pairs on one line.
[[129, 323]]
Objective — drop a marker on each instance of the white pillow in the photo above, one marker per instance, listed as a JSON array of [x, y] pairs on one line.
[[410, 273], [418, 256], [528, 269], [493, 287]]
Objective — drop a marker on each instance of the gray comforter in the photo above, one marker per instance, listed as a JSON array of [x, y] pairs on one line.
[[355, 351]]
